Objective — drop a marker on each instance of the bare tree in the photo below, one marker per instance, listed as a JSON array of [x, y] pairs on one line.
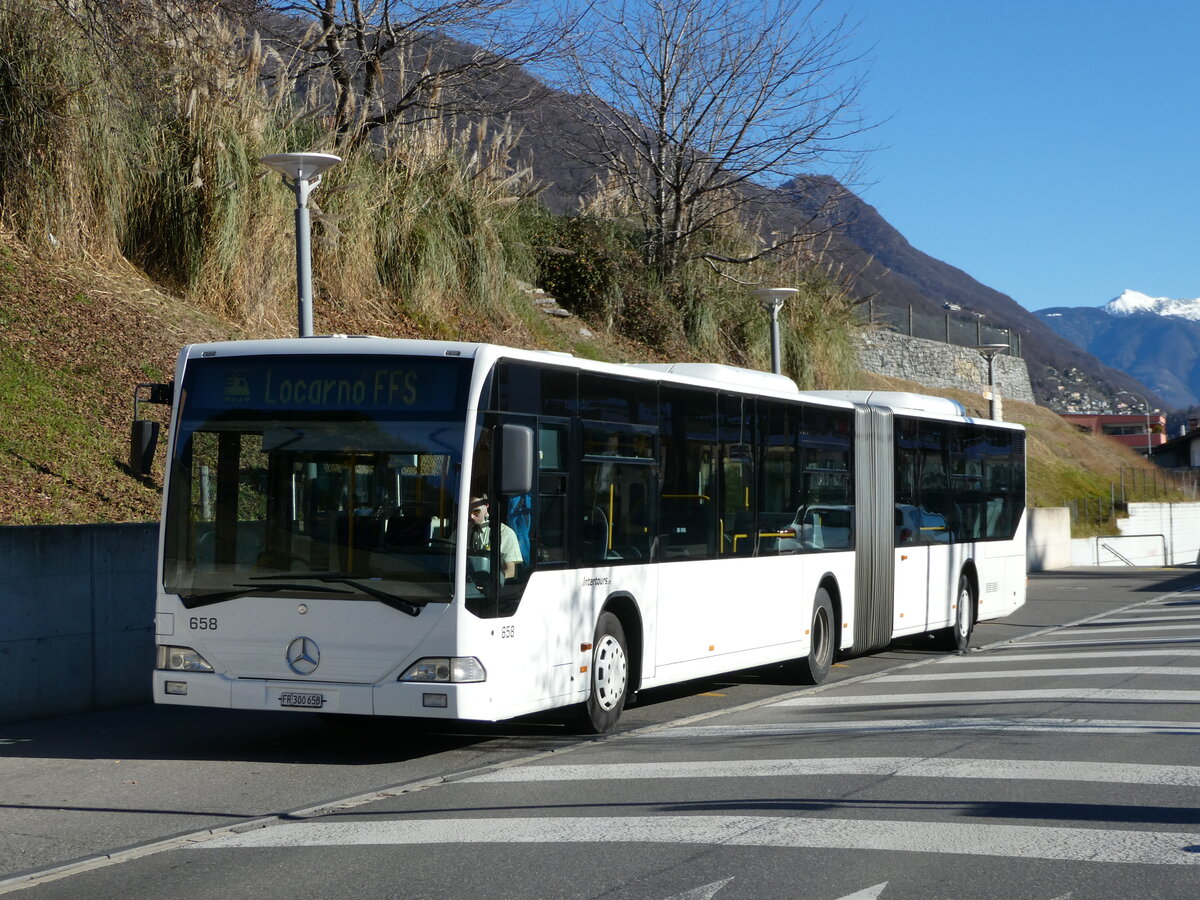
[[699, 110], [368, 64], [408, 61]]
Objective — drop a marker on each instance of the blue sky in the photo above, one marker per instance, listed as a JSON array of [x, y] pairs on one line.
[[1049, 148]]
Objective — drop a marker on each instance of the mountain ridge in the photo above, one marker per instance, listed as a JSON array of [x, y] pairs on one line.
[[1065, 375], [1154, 339]]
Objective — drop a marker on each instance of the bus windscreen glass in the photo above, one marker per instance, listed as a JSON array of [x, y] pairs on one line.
[[330, 476]]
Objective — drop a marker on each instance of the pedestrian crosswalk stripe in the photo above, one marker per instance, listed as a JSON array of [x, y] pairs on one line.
[[898, 766], [1011, 841], [1175, 671], [1000, 654], [1093, 642], [961, 723], [1079, 694], [1142, 626]]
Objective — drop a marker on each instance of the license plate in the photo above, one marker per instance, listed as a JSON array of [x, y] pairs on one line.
[[302, 701]]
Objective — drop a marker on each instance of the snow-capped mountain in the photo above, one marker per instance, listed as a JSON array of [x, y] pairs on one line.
[[1132, 303], [1154, 339]]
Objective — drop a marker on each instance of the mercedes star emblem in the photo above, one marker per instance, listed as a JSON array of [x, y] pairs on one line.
[[303, 656]]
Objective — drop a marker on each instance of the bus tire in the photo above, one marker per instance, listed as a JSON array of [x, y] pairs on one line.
[[609, 677], [957, 637], [814, 668]]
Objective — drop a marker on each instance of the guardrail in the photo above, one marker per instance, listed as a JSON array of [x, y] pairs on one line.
[[1103, 543]]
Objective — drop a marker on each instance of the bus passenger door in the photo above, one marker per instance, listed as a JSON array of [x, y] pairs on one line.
[[911, 596]]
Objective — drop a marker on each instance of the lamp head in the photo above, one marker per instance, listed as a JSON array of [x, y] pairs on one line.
[[990, 350], [300, 166], [772, 298]]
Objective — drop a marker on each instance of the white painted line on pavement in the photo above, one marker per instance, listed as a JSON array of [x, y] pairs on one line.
[[990, 656], [1003, 650], [1155, 612], [1010, 841], [1078, 694], [1043, 673], [899, 766], [962, 723], [1144, 626]]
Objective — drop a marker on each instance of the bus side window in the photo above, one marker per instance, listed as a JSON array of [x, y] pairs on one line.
[[551, 543]]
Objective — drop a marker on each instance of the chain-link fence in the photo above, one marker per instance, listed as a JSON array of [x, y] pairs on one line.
[[955, 326]]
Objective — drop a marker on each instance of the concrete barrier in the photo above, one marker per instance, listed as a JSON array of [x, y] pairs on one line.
[[76, 618], [1048, 541]]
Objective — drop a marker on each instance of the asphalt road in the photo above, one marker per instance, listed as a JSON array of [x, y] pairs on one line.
[[1052, 762]]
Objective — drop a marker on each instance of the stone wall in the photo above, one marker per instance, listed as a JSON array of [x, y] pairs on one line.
[[939, 365]]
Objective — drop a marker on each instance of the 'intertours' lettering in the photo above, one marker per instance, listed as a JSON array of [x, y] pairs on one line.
[[389, 387]]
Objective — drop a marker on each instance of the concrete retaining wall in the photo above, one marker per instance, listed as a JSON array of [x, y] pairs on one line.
[[937, 364], [1154, 534], [1048, 539], [76, 618]]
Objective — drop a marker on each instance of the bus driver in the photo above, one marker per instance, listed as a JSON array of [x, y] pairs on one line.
[[481, 537]]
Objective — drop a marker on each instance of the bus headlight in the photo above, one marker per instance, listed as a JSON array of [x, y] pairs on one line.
[[453, 669], [181, 659]]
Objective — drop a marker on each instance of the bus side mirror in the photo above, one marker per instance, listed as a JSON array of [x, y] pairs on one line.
[[516, 464], [143, 440], [143, 434]]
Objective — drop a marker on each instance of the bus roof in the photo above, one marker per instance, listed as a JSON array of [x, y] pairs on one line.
[[900, 401], [918, 404], [727, 375]]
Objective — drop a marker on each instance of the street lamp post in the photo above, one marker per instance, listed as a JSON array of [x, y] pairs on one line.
[[989, 352], [771, 299], [1146, 407], [302, 173]]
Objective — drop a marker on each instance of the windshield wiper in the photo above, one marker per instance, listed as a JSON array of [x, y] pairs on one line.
[[384, 597], [191, 601]]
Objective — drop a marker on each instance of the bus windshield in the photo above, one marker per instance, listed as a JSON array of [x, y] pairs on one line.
[[318, 476]]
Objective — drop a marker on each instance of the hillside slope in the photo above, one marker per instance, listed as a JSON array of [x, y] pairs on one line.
[[74, 341], [899, 275]]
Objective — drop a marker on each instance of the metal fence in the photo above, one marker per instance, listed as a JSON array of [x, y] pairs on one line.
[[1136, 485], [954, 326]]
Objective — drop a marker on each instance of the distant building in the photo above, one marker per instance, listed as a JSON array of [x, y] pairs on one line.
[[1181, 452], [1128, 428]]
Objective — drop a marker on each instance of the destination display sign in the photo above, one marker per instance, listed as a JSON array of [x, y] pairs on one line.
[[326, 383]]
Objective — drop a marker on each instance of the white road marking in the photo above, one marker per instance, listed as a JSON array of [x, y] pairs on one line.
[[706, 892], [1000, 655], [901, 766], [964, 723], [1119, 642], [1079, 694], [1041, 673], [1144, 626], [1152, 612], [1010, 841], [871, 893]]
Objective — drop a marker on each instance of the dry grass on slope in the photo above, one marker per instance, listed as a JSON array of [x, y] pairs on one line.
[[75, 340]]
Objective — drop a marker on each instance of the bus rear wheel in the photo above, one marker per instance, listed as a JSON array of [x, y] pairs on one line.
[[609, 677], [814, 668]]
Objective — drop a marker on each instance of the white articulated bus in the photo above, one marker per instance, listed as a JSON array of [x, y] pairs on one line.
[[464, 531]]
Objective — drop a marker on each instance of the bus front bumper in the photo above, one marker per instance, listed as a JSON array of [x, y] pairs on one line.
[[412, 699]]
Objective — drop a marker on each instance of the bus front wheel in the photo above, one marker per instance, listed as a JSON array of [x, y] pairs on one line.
[[609, 677], [958, 636], [814, 668]]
